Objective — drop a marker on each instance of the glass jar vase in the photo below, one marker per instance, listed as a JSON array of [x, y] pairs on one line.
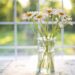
[[45, 57]]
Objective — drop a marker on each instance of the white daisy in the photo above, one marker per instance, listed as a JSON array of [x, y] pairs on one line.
[[49, 11]]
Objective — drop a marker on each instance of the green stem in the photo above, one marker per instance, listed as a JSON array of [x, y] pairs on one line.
[[38, 29], [43, 28]]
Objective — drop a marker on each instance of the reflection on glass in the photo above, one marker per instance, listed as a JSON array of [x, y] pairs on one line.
[[6, 52], [6, 35], [6, 10], [26, 35], [69, 35]]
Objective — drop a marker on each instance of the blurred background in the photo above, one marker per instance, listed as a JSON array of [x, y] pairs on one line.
[[23, 35]]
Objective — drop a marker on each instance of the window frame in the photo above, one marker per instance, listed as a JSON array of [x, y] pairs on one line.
[[15, 23]]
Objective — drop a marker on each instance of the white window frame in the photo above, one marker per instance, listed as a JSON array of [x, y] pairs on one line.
[[15, 23]]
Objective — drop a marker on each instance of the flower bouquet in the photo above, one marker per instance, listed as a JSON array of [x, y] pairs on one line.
[[46, 35]]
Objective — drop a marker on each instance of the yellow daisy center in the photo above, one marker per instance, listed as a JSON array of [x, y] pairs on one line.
[[49, 11], [29, 14], [39, 16], [61, 13]]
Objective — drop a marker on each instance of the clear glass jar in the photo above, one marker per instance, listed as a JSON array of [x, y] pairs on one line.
[[46, 61]]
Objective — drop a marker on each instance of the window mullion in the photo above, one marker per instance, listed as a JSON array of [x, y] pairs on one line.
[[62, 32], [15, 28]]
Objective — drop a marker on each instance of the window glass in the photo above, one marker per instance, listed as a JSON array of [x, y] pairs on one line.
[[6, 35], [27, 52], [25, 5], [57, 36], [50, 3], [6, 52], [69, 7], [65, 51], [69, 51], [69, 35], [26, 35], [6, 10]]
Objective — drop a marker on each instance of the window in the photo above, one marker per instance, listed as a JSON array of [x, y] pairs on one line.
[[16, 36]]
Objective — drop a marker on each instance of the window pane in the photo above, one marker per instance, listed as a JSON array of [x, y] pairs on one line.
[[6, 10], [58, 39], [69, 35], [6, 52], [26, 35], [69, 6], [25, 5], [69, 51], [65, 51], [27, 52], [57, 36], [6, 35], [50, 3], [59, 51]]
